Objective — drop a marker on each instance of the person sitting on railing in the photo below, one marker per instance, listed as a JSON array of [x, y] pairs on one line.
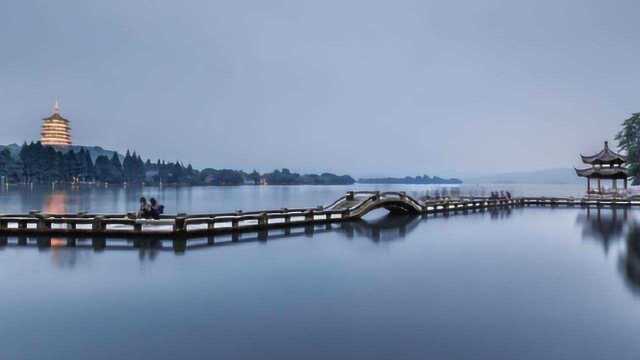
[[145, 209], [508, 195], [155, 210]]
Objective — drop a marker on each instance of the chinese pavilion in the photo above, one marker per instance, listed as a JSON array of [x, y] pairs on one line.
[[606, 164], [55, 129]]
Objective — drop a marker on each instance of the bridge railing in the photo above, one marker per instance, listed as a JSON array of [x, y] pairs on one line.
[[364, 201]]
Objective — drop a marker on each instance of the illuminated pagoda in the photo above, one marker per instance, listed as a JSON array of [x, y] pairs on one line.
[[55, 129], [607, 165]]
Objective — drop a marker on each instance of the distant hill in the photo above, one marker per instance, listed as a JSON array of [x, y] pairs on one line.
[[545, 176], [420, 180], [94, 151]]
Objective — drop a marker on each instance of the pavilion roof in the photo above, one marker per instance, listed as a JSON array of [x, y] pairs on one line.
[[605, 156], [604, 173], [55, 116]]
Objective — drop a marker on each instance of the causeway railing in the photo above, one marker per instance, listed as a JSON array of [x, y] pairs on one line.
[[353, 205]]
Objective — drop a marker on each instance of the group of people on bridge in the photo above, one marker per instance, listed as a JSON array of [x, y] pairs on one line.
[[150, 209], [500, 195]]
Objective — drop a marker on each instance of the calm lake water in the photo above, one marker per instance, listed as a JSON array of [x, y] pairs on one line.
[[525, 283]]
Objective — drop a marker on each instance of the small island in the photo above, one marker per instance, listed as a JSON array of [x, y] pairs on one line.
[[408, 180]]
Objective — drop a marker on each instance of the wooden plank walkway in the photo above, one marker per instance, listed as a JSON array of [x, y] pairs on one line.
[[353, 205]]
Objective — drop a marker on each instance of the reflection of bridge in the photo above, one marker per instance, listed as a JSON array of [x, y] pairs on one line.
[[352, 206], [390, 227]]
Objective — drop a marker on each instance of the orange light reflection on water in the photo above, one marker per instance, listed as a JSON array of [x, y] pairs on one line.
[[55, 204]]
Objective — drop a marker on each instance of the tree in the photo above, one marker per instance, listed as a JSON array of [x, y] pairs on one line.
[[103, 168], [255, 177], [629, 140], [6, 161], [116, 169]]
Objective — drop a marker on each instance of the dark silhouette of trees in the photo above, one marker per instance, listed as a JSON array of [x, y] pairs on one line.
[[286, 177], [629, 141], [36, 163]]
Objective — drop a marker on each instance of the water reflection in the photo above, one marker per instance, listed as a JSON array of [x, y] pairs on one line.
[[609, 226], [629, 263], [56, 203], [605, 226], [70, 251]]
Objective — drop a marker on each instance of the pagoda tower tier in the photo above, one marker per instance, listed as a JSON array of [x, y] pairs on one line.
[[55, 129]]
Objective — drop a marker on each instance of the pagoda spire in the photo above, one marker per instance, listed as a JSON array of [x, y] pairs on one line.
[[56, 107]]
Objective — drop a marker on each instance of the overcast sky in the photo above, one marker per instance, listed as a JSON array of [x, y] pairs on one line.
[[359, 87]]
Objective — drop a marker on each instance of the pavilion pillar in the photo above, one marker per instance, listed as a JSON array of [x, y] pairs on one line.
[[615, 184], [625, 183], [588, 185], [599, 186]]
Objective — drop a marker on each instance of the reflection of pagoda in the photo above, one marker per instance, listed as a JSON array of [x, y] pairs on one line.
[[55, 129]]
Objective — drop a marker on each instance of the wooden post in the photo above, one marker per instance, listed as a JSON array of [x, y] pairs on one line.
[[625, 183], [287, 217], [180, 224], [588, 185], [309, 216], [22, 224], [263, 220], [4, 224], [137, 227], [41, 225], [599, 187], [98, 224], [211, 224]]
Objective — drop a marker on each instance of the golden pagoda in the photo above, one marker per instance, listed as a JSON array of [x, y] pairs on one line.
[[55, 129]]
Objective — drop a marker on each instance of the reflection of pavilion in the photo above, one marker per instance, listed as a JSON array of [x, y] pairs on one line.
[[610, 225], [603, 225], [630, 261]]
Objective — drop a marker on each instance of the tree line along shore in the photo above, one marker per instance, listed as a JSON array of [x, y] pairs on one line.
[[37, 163]]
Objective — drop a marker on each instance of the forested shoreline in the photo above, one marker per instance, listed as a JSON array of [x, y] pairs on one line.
[[37, 163]]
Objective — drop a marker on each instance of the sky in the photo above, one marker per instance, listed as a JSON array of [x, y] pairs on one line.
[[364, 87]]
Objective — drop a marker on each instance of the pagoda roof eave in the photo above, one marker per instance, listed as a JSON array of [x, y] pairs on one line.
[[603, 173], [605, 156], [55, 116]]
